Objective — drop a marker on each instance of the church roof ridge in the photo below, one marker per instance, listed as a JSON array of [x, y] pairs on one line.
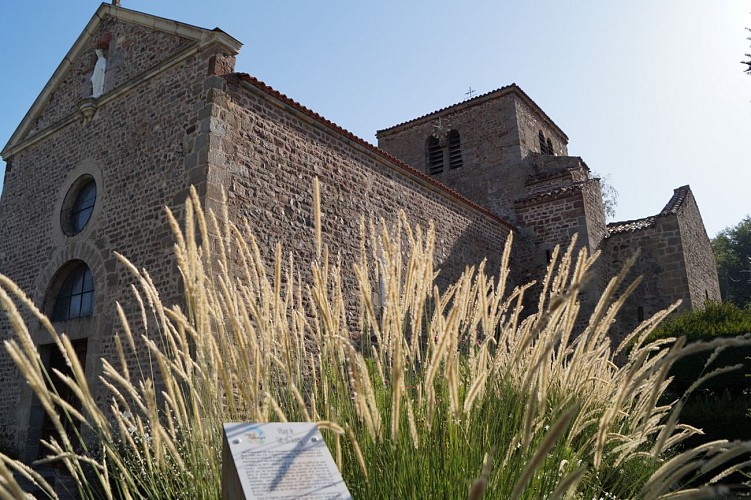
[[506, 89], [676, 201], [673, 205], [363, 143]]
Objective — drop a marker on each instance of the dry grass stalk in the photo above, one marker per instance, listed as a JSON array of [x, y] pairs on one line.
[[252, 342]]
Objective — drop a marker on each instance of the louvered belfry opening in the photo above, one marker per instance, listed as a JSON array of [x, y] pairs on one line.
[[435, 156], [546, 147], [455, 150]]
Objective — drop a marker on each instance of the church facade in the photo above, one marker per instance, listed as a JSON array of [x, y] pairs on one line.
[[142, 108]]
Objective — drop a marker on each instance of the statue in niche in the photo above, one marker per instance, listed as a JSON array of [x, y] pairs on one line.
[[97, 78]]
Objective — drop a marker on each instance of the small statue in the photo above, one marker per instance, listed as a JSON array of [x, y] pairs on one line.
[[97, 78]]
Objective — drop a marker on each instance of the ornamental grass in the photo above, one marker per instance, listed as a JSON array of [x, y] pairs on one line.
[[447, 392]]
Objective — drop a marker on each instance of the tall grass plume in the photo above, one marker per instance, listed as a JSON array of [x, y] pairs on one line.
[[449, 392]]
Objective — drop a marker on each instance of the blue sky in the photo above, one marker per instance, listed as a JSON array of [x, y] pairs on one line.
[[651, 94]]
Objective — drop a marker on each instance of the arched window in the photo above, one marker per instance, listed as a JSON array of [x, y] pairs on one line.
[[543, 146], [435, 156], [78, 205], [550, 147], [75, 299], [455, 150]]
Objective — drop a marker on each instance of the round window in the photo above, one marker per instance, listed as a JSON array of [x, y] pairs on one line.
[[78, 205]]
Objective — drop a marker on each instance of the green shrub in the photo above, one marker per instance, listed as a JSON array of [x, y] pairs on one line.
[[720, 405], [718, 415], [716, 319]]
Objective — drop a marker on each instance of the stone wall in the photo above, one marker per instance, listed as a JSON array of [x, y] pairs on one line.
[[266, 151], [554, 172], [554, 175], [656, 243], [489, 146], [701, 266], [675, 258], [531, 121], [129, 50], [551, 217], [547, 220], [133, 148]]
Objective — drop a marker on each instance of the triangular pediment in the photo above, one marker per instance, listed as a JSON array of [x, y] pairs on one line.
[[133, 44]]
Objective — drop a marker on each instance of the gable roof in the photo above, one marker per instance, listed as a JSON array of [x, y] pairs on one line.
[[201, 36], [493, 94], [676, 201], [671, 207]]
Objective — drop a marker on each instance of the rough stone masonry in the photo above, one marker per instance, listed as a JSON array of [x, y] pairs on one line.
[[174, 113]]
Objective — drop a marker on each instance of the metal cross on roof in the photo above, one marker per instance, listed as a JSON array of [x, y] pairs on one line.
[[470, 92]]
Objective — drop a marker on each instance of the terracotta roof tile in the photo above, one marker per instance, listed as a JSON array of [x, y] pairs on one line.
[[629, 226], [675, 203], [672, 207]]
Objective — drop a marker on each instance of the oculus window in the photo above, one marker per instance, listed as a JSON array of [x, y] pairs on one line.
[[78, 205]]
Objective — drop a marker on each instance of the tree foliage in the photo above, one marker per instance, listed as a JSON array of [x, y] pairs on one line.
[[748, 61], [732, 250], [609, 195], [609, 198]]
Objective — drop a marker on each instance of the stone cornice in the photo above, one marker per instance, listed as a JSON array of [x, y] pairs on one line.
[[553, 194]]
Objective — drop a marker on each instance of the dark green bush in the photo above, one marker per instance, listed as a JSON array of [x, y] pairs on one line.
[[720, 406], [716, 319], [720, 416]]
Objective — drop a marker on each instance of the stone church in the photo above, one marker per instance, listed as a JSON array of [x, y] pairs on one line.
[[141, 108]]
